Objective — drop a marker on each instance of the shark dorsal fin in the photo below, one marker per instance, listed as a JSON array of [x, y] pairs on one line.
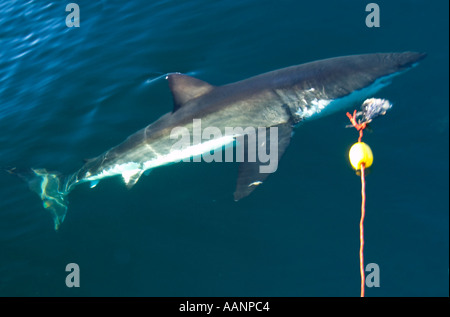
[[185, 88]]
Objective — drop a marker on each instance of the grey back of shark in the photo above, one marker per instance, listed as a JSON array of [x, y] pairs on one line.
[[281, 99]]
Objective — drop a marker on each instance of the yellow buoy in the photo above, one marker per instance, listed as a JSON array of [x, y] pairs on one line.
[[360, 153]]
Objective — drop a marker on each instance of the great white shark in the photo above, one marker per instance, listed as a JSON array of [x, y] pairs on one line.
[[282, 98]]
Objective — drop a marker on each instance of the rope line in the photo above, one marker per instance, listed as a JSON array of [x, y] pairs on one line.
[[360, 127], [361, 230]]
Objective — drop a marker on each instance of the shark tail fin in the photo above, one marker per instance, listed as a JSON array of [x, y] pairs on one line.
[[51, 188]]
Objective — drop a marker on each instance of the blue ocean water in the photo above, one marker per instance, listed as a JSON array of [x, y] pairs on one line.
[[67, 94]]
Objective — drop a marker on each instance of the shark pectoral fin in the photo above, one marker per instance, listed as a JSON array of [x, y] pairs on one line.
[[253, 173], [94, 183], [131, 177]]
